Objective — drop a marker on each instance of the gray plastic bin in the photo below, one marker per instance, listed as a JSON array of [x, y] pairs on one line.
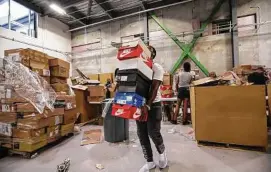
[[115, 129]]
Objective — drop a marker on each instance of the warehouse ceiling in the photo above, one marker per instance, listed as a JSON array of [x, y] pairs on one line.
[[84, 12]]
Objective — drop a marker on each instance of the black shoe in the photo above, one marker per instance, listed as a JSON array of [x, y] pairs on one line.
[[174, 122]]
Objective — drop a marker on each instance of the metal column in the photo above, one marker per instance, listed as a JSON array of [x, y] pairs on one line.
[[146, 28], [234, 33]]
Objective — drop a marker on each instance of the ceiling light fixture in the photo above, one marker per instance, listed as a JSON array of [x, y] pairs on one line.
[[58, 9]]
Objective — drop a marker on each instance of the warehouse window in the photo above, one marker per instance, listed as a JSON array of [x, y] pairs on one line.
[[21, 19], [247, 23], [221, 26]]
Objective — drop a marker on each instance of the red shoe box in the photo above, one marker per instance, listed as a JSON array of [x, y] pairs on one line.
[[166, 91], [127, 112], [135, 49]]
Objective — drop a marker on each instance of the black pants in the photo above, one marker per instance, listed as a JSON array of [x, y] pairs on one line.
[[151, 128]]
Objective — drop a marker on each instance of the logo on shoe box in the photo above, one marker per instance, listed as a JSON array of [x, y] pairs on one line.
[[125, 52], [137, 114], [119, 112]]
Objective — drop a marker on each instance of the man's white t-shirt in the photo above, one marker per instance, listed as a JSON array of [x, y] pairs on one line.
[[158, 74]]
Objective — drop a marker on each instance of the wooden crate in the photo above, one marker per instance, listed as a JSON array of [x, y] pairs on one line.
[[230, 114]]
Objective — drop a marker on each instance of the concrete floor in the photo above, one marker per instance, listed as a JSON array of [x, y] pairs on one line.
[[183, 153]]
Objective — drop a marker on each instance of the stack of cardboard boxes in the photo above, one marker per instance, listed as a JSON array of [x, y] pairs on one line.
[[134, 80], [22, 128], [166, 88]]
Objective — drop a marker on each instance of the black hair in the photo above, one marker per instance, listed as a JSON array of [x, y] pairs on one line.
[[153, 52], [187, 67], [116, 72]]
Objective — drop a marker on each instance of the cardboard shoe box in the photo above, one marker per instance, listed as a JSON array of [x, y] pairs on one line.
[[8, 117], [69, 100], [25, 107], [57, 111], [23, 133], [67, 129], [5, 107], [59, 62], [53, 131]]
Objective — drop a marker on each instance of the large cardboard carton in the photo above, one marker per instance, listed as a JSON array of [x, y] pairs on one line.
[[23, 133], [19, 55], [61, 87], [87, 111], [33, 123], [6, 129], [8, 117], [25, 107], [104, 76], [59, 62], [53, 131], [70, 116], [69, 100], [95, 99], [55, 120], [42, 72], [232, 115], [59, 71], [7, 107], [67, 129], [57, 111], [29, 145], [96, 91], [59, 80], [93, 76]]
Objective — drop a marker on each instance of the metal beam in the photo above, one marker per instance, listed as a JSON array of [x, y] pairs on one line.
[[234, 33], [77, 15], [72, 3], [187, 49], [146, 28], [105, 7], [30, 6]]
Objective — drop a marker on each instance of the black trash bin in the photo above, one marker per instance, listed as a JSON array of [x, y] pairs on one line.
[[115, 129]]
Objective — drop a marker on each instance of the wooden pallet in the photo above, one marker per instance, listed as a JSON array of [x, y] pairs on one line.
[[232, 146], [34, 154]]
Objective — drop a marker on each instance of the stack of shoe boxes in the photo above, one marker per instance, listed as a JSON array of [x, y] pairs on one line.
[[134, 80]]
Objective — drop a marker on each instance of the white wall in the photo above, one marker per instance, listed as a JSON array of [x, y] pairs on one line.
[[214, 52], [51, 34]]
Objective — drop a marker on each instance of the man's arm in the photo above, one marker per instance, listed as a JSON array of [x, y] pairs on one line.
[[153, 92]]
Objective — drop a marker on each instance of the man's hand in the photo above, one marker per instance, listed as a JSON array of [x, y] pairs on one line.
[[144, 113]]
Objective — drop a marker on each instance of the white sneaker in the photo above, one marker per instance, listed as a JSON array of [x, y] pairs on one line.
[[147, 167], [163, 160]]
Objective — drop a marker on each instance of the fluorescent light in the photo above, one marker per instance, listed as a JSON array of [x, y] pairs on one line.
[[58, 9]]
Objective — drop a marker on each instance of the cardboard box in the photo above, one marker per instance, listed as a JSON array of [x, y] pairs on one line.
[[67, 129], [104, 76], [166, 91], [53, 131], [60, 72], [5, 129], [23, 133], [230, 114], [61, 87], [127, 112], [8, 117], [55, 120], [96, 91], [57, 111], [25, 107], [69, 100], [167, 79], [93, 76], [87, 112], [5, 107], [60, 63], [95, 99], [70, 116], [19, 55], [33, 123], [29, 145], [38, 57], [47, 79], [59, 80], [42, 72]]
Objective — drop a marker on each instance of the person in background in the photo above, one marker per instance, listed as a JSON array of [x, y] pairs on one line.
[[183, 82], [152, 127], [108, 85]]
